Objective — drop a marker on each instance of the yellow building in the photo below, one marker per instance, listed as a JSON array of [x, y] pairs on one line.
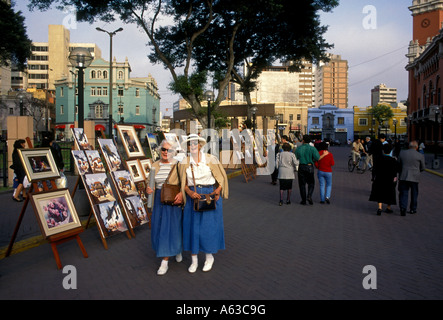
[[365, 125]]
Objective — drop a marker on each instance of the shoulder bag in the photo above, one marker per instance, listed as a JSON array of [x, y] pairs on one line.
[[169, 191], [206, 202]]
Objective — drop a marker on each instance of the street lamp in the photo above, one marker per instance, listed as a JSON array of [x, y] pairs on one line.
[[209, 96], [80, 58], [254, 118], [111, 34], [395, 128], [75, 91], [436, 164], [20, 97]]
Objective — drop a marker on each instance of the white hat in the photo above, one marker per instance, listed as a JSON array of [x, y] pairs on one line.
[[193, 137]]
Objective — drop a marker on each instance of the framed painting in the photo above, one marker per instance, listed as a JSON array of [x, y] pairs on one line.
[[39, 164], [111, 154], [99, 188], [146, 167], [136, 211], [153, 145], [81, 141], [110, 218], [130, 141], [81, 162], [125, 183], [135, 169], [95, 162], [55, 211]]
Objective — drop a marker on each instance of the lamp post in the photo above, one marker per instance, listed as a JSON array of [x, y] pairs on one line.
[[209, 96], [436, 111], [75, 93], [20, 97], [47, 113], [254, 118], [80, 58], [111, 34], [395, 128]]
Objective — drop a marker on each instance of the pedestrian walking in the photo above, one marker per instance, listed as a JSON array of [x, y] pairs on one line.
[[19, 171], [307, 155], [367, 146], [166, 219], [324, 173], [412, 163], [274, 175], [202, 173], [376, 150], [286, 164], [385, 180]]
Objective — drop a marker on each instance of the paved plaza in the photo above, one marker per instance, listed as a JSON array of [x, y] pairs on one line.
[[272, 253]]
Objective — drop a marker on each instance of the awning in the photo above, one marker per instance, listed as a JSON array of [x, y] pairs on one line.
[[60, 126], [99, 127], [138, 126], [71, 126]]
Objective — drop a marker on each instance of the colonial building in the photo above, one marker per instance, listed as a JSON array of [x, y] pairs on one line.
[[425, 71], [331, 122]]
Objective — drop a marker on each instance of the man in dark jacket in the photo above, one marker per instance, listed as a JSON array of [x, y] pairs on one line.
[[412, 163]]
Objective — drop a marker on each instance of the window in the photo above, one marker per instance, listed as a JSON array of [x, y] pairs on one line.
[[99, 91], [105, 74], [120, 92], [298, 116], [93, 74], [99, 111], [137, 92], [93, 91], [340, 120], [362, 122], [291, 117], [76, 109], [105, 91], [137, 110], [315, 120], [11, 110], [120, 75], [61, 92], [120, 109]]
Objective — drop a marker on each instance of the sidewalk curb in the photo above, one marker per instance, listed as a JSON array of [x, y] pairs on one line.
[[35, 241]]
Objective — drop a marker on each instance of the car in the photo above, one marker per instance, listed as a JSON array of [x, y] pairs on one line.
[[335, 142]]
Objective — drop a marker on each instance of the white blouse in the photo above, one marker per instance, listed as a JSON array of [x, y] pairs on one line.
[[202, 172]]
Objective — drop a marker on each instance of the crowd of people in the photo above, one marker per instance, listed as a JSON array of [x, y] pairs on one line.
[[391, 168]]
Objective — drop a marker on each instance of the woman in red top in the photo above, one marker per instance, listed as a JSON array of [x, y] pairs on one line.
[[324, 166]]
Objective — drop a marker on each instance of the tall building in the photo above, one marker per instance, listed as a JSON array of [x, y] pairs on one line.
[[381, 93], [425, 70], [331, 83]]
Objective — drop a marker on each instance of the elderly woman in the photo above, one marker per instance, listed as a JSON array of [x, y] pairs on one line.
[[286, 164], [19, 171], [166, 220], [202, 231]]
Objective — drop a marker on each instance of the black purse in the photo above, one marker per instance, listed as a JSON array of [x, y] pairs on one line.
[[206, 202]]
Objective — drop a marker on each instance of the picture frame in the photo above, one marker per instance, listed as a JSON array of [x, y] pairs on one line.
[[153, 145], [135, 211], [135, 168], [99, 188], [130, 141], [95, 161], [111, 154], [81, 162], [110, 218], [81, 140], [39, 164], [146, 166], [55, 212], [124, 183]]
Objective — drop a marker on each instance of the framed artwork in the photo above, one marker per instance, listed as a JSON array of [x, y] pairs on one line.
[[141, 189], [130, 141], [99, 188], [111, 154], [153, 145], [110, 218], [135, 169], [81, 141], [125, 183], [39, 164], [136, 211], [146, 167], [95, 162], [55, 211], [81, 162]]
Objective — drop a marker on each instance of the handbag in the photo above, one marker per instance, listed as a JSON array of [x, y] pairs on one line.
[[206, 202], [169, 191]]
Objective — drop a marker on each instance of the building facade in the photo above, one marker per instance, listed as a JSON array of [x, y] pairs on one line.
[[425, 70], [382, 94], [331, 122], [136, 101]]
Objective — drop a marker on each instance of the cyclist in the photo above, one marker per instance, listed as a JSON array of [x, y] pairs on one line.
[[357, 150]]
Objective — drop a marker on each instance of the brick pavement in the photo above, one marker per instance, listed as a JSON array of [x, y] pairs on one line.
[[272, 253]]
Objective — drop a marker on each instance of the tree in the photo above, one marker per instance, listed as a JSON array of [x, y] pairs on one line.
[[382, 112], [224, 32], [15, 45]]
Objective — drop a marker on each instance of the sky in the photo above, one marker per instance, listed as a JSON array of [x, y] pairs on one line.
[[373, 36]]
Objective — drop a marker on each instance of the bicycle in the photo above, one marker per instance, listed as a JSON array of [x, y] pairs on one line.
[[360, 164]]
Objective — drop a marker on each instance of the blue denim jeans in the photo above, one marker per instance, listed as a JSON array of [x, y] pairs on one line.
[[325, 183]]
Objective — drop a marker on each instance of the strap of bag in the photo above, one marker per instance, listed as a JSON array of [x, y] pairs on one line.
[[167, 179]]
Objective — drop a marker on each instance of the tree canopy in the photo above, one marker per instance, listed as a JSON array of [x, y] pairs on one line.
[[218, 36]]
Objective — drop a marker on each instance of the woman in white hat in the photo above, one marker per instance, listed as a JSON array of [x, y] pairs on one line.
[[202, 231], [166, 220]]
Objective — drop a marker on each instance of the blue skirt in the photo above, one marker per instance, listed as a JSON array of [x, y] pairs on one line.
[[166, 228], [203, 231]]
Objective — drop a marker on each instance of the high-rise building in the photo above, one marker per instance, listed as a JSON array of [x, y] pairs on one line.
[[331, 83], [381, 93]]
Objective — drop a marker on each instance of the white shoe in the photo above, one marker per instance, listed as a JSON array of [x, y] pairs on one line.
[[193, 267], [179, 257], [208, 264], [163, 268]]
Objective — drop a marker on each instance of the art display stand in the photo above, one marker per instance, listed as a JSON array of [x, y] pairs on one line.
[[54, 240]]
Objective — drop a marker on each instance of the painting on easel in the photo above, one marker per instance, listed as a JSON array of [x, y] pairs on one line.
[[110, 218], [81, 140], [55, 211], [39, 164]]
